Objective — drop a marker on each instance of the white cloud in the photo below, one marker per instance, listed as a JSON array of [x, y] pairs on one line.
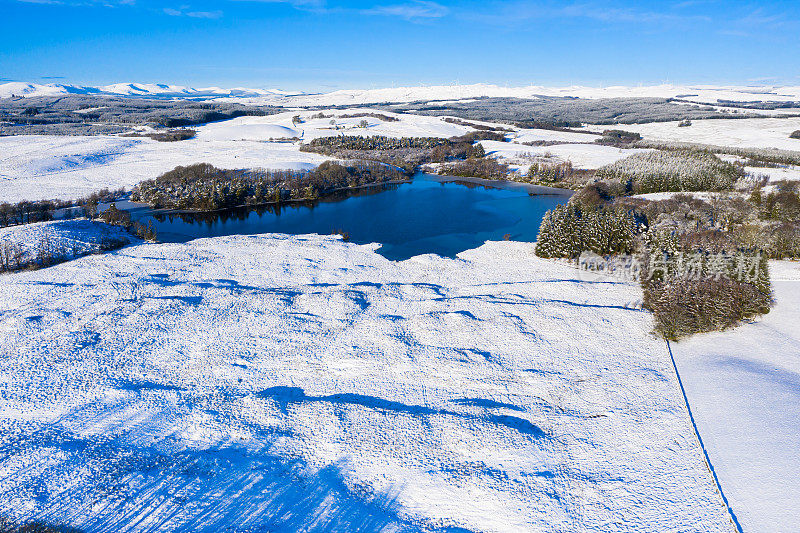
[[415, 10], [184, 12]]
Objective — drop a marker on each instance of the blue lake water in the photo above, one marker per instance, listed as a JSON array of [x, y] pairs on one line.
[[431, 214]]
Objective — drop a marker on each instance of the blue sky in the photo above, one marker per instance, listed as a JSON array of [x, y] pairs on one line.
[[329, 44]]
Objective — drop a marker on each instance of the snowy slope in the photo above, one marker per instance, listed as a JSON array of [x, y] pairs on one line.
[[302, 383], [68, 238], [744, 388], [40, 167]]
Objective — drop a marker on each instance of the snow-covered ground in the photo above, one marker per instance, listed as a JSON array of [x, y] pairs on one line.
[[700, 195], [744, 389], [36, 167], [741, 133], [589, 156], [789, 173], [64, 238], [303, 383]]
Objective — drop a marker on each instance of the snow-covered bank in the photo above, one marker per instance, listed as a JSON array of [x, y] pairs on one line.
[[744, 389], [286, 382]]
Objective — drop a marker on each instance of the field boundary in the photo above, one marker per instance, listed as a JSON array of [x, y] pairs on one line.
[[702, 446]]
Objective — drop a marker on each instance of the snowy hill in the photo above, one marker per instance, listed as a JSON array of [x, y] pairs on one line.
[[700, 93], [140, 90]]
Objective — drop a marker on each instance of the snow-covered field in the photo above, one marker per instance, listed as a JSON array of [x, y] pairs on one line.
[[744, 390], [43, 167], [789, 173], [303, 383], [740, 133], [590, 156]]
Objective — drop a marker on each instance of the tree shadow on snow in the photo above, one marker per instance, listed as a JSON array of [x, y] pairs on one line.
[[104, 484]]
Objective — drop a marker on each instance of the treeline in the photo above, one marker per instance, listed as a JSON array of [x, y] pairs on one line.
[[474, 125], [166, 136], [207, 188], [334, 144], [380, 116]]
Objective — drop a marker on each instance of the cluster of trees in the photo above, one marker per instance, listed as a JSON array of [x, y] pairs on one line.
[[550, 172], [335, 144], [407, 153], [380, 116], [726, 238], [573, 228], [476, 168], [206, 188], [619, 138], [781, 203], [474, 125], [678, 170], [27, 212], [699, 282], [117, 217]]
